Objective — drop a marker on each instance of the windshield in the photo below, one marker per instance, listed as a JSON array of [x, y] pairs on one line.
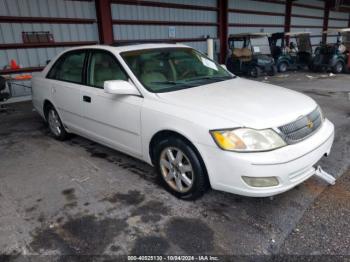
[[260, 45], [304, 44], [170, 69]]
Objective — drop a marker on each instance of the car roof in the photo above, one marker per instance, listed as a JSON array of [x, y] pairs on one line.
[[124, 48], [252, 35], [297, 33], [337, 30]]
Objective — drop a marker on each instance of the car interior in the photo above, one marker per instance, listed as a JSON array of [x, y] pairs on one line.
[[103, 67], [71, 68]]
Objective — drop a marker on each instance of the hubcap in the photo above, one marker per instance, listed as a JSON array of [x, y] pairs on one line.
[[283, 67], [54, 123], [339, 67], [176, 169]]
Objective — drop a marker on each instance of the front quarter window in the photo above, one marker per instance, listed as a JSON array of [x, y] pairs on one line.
[[170, 69], [103, 66]]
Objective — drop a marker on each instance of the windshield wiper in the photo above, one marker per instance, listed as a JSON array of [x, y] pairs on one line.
[[166, 82], [215, 78]]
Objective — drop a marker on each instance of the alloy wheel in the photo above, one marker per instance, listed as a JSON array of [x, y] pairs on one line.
[[176, 169], [54, 123]]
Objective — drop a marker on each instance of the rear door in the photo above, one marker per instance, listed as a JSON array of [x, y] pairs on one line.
[[67, 78], [111, 119]]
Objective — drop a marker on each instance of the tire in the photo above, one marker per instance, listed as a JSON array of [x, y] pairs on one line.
[[273, 71], [185, 178], [255, 72], [55, 124], [282, 67], [338, 68]]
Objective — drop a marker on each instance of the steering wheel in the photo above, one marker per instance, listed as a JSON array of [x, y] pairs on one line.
[[187, 73]]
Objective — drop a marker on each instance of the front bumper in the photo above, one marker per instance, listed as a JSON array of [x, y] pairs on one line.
[[291, 165]]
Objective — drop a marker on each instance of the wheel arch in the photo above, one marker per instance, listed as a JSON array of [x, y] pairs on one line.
[[46, 105], [171, 133], [282, 61]]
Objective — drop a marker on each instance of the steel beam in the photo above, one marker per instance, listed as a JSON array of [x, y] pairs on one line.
[[104, 21]]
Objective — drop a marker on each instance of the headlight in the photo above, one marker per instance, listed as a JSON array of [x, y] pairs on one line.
[[246, 139], [321, 113]]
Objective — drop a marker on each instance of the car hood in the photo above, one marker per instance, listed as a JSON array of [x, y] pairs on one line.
[[244, 103]]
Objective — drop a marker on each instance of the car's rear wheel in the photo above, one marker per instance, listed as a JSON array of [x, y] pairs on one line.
[[180, 169], [55, 124]]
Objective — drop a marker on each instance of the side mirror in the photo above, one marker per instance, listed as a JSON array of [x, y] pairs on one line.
[[120, 87]]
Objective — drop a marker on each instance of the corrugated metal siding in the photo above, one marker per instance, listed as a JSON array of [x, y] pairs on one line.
[[237, 30], [33, 57], [150, 13], [211, 3], [244, 18], [312, 25], [256, 6], [337, 23], [138, 32], [341, 15], [256, 19], [48, 8], [134, 12], [12, 32]]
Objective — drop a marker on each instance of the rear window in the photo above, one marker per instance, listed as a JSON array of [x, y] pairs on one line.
[[69, 67]]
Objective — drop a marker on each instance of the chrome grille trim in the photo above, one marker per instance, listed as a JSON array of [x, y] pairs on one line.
[[300, 129]]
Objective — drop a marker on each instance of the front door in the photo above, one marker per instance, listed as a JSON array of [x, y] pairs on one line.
[[111, 119]]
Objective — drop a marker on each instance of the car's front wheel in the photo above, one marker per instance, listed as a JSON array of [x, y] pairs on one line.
[[255, 72], [282, 67], [338, 68], [55, 124], [180, 168]]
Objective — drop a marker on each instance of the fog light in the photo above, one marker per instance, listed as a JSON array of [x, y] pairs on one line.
[[261, 181]]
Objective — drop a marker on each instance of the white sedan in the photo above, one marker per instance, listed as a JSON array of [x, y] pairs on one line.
[[178, 110]]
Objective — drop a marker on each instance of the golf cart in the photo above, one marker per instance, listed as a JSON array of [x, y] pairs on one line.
[[251, 55], [333, 56], [298, 54]]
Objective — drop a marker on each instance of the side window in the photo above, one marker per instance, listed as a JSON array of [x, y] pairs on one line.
[[103, 67], [69, 68]]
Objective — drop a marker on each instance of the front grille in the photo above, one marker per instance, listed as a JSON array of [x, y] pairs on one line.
[[302, 127]]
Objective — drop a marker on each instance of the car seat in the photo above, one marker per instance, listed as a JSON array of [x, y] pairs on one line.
[[105, 69], [243, 54], [152, 71]]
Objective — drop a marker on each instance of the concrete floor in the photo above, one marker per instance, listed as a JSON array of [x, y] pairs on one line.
[[77, 197]]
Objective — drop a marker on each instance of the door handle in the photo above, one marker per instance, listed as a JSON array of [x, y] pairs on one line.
[[87, 99]]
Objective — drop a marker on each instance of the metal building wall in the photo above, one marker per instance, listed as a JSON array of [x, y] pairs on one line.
[[71, 23], [307, 16], [135, 22], [256, 16], [337, 20]]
